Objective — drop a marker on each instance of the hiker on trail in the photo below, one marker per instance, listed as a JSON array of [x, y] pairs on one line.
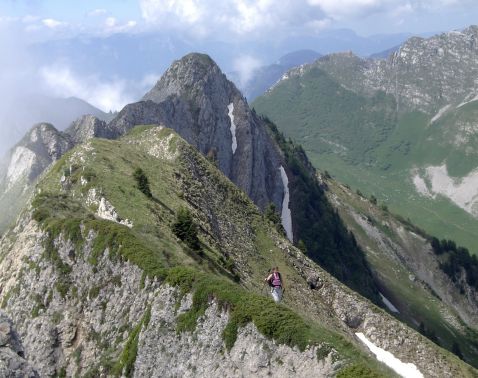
[[276, 283]]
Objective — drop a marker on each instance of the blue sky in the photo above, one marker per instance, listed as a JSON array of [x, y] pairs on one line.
[[69, 10]]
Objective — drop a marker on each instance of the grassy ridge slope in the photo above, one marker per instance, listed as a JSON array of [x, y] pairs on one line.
[[235, 238]]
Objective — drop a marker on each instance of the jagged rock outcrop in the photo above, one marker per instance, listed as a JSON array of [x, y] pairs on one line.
[[36, 151], [12, 354], [27, 160], [194, 98], [87, 127]]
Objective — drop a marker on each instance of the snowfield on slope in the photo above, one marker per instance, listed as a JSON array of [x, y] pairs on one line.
[[406, 370], [230, 113], [286, 216]]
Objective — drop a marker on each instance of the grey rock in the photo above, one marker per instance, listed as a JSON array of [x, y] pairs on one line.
[[192, 97], [87, 127], [12, 355]]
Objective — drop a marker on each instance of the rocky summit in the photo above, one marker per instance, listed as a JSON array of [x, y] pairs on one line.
[[195, 98], [42, 145]]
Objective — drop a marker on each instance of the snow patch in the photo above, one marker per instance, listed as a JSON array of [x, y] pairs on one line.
[[20, 164], [407, 370], [230, 108], [286, 216], [389, 304], [442, 111]]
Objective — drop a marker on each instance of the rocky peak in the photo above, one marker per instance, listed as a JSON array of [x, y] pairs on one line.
[[192, 77], [87, 127], [38, 149], [429, 73], [46, 140], [195, 99]]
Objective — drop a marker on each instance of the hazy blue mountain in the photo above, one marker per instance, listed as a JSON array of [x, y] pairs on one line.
[[265, 77]]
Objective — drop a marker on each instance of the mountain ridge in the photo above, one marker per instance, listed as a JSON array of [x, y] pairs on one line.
[[69, 238], [419, 125]]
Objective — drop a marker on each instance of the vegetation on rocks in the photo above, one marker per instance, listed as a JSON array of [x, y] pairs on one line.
[[455, 261], [143, 183], [186, 230], [232, 232]]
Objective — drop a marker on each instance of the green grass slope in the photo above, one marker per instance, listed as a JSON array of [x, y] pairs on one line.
[[396, 250], [365, 143], [237, 244]]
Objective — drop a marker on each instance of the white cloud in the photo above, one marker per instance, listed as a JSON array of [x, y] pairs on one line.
[[52, 23], [245, 65], [28, 19], [239, 17], [111, 25], [110, 22], [344, 8], [62, 82], [97, 12], [246, 17]]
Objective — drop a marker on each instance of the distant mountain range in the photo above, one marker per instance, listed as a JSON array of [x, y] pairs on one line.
[[402, 128], [264, 77], [132, 56]]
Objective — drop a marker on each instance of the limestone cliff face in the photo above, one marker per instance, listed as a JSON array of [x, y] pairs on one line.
[[111, 305], [195, 99], [430, 73], [12, 354], [37, 150], [87, 127], [26, 161], [78, 333]]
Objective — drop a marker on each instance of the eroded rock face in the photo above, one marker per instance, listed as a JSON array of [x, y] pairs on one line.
[[79, 332], [202, 353], [38, 149], [87, 127], [27, 160], [12, 354]]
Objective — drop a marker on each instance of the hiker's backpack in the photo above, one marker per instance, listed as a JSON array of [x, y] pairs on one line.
[[275, 280]]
